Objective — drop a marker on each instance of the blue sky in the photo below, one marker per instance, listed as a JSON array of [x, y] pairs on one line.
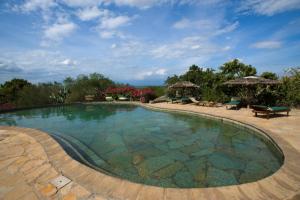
[[143, 41]]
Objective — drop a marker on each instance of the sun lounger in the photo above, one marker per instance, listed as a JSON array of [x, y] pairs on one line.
[[234, 103], [121, 98], [207, 103], [89, 97], [109, 99], [269, 110], [194, 101]]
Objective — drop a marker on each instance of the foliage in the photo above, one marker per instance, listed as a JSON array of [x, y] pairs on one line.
[[10, 90], [158, 90], [212, 88], [41, 94], [236, 69], [289, 90], [269, 75], [209, 82], [94, 84], [21, 93], [130, 92]]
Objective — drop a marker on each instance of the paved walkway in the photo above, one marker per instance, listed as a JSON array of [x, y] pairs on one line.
[[30, 159]]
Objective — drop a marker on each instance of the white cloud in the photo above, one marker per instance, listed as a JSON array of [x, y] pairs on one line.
[[227, 48], [211, 26], [33, 5], [114, 22], [81, 3], [109, 25], [90, 13], [268, 7], [108, 34], [113, 46], [187, 47], [267, 45], [161, 72], [183, 23], [58, 31], [9, 66], [227, 29], [154, 72], [145, 4], [68, 62], [35, 59]]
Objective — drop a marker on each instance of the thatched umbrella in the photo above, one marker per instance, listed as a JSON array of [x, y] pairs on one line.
[[248, 82], [183, 85], [252, 80]]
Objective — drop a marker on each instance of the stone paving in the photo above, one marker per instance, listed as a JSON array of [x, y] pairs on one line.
[[30, 159]]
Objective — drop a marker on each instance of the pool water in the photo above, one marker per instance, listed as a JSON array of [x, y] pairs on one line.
[[165, 149]]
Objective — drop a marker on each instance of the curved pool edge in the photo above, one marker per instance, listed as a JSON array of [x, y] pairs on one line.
[[283, 184]]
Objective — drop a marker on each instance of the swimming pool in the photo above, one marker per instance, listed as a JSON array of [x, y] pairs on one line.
[[165, 149]]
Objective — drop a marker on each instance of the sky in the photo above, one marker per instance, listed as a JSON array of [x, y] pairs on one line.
[[142, 42]]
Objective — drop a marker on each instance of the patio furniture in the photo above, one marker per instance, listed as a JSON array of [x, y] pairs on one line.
[[122, 98], [194, 101], [184, 100], [161, 99], [206, 103], [246, 86], [174, 100], [89, 97], [234, 103], [203, 103], [269, 110], [109, 99]]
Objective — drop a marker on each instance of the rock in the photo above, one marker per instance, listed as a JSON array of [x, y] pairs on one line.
[[121, 160], [175, 145], [69, 196], [153, 164], [48, 190], [253, 172], [184, 179], [137, 159], [203, 152], [198, 169], [169, 171], [217, 177], [190, 149], [177, 155], [223, 161]]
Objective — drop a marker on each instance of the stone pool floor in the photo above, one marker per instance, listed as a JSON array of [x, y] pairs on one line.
[[30, 159]]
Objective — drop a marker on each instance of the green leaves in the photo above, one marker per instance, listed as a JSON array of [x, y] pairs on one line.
[[237, 69]]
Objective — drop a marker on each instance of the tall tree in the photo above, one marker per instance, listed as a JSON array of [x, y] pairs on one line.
[[237, 69], [10, 89], [172, 79], [269, 75]]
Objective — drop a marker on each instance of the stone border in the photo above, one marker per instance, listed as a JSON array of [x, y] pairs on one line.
[[283, 184]]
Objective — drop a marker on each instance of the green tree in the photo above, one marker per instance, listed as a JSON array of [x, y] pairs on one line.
[[289, 89], [172, 79], [10, 90], [94, 84], [236, 69], [269, 75]]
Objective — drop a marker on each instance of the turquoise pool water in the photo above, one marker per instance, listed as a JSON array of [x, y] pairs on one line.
[[152, 147]]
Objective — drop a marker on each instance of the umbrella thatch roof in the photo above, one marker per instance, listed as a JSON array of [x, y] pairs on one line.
[[183, 84], [252, 80]]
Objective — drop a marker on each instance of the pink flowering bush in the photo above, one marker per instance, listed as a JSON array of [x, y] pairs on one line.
[[144, 95]]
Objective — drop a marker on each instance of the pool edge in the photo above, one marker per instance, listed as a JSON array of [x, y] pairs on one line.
[[282, 184]]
